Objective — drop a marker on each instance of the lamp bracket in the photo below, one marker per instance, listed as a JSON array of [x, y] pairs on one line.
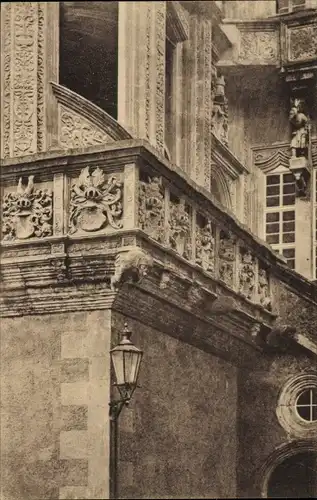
[[115, 407]]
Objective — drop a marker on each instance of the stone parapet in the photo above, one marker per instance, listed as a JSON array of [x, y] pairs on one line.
[[87, 222]]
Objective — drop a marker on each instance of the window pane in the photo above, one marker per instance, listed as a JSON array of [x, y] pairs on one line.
[[288, 200], [314, 413], [272, 179], [272, 190], [273, 217], [273, 202], [289, 252], [288, 227], [314, 396], [304, 398], [288, 188], [288, 178], [289, 238], [273, 228], [291, 263], [272, 238], [289, 215], [304, 412]]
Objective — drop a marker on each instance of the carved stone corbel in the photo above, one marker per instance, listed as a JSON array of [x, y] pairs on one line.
[[195, 295], [165, 280], [223, 305], [130, 267]]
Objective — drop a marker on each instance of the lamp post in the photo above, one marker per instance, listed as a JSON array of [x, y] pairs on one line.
[[126, 361]]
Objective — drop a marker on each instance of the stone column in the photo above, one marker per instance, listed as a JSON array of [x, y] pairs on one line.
[[141, 72], [29, 61]]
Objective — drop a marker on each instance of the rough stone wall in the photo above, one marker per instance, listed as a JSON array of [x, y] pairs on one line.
[[260, 431], [54, 415], [178, 439]]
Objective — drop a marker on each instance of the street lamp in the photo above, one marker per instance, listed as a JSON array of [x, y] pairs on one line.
[[126, 361]]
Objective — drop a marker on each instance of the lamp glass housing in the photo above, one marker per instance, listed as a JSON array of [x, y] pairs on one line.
[[126, 361]]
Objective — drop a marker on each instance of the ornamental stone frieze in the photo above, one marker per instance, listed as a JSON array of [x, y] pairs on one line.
[[138, 226]]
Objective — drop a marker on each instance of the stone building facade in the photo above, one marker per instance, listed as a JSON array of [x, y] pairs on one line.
[[159, 167]]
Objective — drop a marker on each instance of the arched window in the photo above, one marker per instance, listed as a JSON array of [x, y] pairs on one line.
[[295, 477]]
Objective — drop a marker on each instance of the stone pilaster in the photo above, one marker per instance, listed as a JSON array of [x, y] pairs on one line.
[[198, 74], [29, 60], [142, 70]]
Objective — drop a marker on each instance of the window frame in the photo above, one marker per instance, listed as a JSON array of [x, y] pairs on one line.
[[311, 405], [280, 246], [286, 410]]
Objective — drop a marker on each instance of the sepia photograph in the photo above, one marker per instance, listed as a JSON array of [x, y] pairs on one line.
[[158, 300]]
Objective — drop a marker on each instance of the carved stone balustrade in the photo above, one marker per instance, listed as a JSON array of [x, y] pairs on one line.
[[79, 224]]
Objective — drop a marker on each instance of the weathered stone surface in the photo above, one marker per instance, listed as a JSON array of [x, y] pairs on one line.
[[166, 443]]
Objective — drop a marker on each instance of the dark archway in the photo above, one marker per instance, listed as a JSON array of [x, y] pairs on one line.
[[295, 477]]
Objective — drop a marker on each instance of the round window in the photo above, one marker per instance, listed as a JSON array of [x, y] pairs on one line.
[[297, 406], [306, 404]]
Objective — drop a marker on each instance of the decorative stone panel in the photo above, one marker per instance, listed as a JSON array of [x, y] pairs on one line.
[[246, 273], [95, 202], [151, 208], [205, 244], [227, 257], [302, 42], [27, 212], [263, 291], [77, 132], [259, 47], [28, 116], [180, 227]]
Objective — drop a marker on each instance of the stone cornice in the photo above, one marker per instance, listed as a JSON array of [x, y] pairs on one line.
[[253, 24]]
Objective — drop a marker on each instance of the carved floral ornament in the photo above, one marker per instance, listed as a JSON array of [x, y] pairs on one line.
[[95, 202], [264, 289], [179, 225], [246, 273], [151, 208], [226, 254], [205, 247], [76, 131], [28, 212]]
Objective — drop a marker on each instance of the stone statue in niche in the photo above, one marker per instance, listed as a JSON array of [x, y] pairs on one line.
[[205, 247], [151, 208], [179, 229], [95, 202], [263, 290], [299, 122], [220, 112], [28, 212], [226, 254], [246, 274]]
